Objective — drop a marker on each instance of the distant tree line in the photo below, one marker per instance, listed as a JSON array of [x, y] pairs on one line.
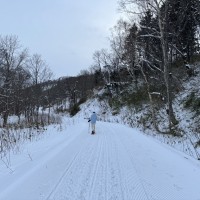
[[27, 88], [67, 93]]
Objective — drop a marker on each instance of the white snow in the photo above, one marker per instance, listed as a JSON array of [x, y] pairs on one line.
[[116, 163]]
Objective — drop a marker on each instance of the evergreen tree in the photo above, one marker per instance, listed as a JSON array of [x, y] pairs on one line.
[[183, 20]]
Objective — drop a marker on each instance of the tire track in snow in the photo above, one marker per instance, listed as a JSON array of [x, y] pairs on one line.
[[47, 156], [84, 183], [106, 167], [154, 191], [124, 187], [131, 183], [103, 170], [127, 144], [75, 183], [96, 170], [109, 182], [100, 183], [88, 173], [138, 191], [69, 166], [115, 187]]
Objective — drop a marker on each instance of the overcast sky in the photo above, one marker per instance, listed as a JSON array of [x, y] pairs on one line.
[[65, 32]]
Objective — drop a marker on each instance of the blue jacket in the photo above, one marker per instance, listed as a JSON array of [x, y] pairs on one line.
[[93, 118]]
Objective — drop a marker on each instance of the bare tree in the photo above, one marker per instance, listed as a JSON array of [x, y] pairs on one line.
[[100, 60], [162, 34], [39, 72], [12, 58]]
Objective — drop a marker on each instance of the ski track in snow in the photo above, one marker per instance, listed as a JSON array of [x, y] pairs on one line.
[[113, 164], [98, 173]]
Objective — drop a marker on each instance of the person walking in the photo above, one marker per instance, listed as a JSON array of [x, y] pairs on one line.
[[93, 120]]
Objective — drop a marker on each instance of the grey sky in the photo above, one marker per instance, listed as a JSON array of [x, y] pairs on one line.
[[64, 32]]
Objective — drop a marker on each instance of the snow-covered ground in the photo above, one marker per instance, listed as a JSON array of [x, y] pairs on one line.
[[116, 163]]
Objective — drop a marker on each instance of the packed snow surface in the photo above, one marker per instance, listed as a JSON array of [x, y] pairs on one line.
[[117, 163]]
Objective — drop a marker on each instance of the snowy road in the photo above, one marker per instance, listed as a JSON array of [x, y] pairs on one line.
[[117, 163]]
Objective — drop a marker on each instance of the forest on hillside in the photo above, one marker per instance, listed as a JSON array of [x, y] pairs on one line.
[[155, 54]]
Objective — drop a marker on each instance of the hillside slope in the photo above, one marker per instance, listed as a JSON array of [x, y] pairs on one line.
[[186, 106]]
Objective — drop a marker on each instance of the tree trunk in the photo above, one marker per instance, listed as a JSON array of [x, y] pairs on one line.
[[171, 118], [37, 117], [5, 119], [151, 100], [49, 114]]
